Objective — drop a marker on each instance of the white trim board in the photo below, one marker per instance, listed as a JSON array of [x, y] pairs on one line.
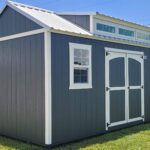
[[108, 49], [48, 88], [23, 34]]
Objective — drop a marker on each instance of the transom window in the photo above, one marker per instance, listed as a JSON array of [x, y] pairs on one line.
[[106, 28], [143, 36], [126, 32], [80, 66]]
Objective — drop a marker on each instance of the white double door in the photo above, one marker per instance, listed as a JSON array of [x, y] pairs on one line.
[[124, 83]]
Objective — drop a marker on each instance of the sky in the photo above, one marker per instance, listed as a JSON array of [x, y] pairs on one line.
[[137, 11]]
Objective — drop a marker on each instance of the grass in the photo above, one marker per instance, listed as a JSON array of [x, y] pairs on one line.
[[134, 138]]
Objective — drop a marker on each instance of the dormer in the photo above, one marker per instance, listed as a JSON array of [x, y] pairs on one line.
[[108, 27]]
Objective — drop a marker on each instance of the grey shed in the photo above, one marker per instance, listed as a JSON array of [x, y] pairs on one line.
[[69, 76]]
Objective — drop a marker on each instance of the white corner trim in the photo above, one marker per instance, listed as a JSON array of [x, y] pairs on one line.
[[48, 92], [73, 85], [91, 24], [27, 15], [23, 34]]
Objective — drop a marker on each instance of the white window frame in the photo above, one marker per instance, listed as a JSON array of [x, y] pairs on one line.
[[73, 85]]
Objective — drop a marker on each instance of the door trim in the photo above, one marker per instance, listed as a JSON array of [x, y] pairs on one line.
[[108, 49], [107, 95]]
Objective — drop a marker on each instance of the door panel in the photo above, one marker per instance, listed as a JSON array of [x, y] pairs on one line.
[[134, 72], [115, 87], [117, 106], [134, 104], [117, 72], [136, 85]]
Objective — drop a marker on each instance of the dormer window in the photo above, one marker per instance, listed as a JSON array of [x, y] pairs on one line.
[[126, 32], [105, 28]]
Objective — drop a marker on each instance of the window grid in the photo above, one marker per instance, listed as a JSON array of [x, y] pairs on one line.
[[81, 64]]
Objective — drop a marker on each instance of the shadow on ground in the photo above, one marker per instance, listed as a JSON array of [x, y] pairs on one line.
[[10, 144]]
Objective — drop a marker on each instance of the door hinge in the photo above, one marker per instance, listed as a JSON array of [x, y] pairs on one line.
[[107, 53], [107, 88], [143, 116], [108, 124], [144, 57]]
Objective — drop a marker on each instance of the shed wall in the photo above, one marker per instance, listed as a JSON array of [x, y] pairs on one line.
[[81, 113], [81, 20], [12, 22], [22, 105]]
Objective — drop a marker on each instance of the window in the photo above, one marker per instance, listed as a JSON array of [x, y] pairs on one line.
[[80, 66], [106, 28], [143, 36], [126, 32]]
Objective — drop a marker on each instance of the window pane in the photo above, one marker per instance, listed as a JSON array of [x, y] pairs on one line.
[[81, 75], [85, 54], [77, 61], [106, 28], [85, 61], [84, 76], [126, 32], [81, 57], [84, 79], [143, 36], [77, 52]]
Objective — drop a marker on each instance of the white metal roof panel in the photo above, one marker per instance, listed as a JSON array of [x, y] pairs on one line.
[[47, 19]]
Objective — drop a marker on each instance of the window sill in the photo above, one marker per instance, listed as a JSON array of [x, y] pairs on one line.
[[80, 86]]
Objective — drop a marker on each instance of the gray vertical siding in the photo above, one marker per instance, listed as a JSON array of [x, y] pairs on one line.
[[12, 22], [81, 20], [22, 88], [81, 113]]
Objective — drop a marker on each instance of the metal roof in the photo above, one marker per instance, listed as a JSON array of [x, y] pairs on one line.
[[46, 18]]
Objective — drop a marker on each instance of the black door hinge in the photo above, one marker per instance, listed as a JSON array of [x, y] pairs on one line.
[[108, 124], [143, 116], [107, 88], [107, 53]]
